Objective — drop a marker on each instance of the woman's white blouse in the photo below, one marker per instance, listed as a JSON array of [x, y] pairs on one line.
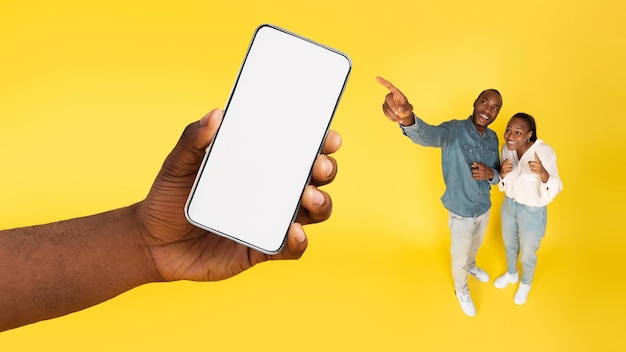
[[523, 185]]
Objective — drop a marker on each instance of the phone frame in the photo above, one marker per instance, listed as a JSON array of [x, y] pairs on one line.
[[278, 240]]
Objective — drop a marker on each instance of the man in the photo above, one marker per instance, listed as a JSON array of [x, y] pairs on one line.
[[469, 153], [50, 270]]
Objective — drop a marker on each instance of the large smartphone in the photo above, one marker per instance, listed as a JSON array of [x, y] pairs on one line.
[[278, 114]]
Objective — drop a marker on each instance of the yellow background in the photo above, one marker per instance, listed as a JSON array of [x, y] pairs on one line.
[[93, 95]]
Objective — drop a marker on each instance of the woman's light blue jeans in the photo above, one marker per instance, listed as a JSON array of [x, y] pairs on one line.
[[523, 227]]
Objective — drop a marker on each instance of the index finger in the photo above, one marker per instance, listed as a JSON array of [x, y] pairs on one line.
[[387, 84]]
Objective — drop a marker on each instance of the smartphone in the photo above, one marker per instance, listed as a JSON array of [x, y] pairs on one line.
[[277, 116]]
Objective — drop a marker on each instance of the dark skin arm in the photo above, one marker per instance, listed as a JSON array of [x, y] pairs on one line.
[[398, 109], [50, 270]]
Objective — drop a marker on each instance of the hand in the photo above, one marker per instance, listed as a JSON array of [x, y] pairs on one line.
[[396, 106], [506, 167], [536, 166], [481, 172], [181, 251]]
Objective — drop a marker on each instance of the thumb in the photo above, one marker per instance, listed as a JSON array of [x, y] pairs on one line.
[[536, 157], [405, 110], [188, 153], [207, 126]]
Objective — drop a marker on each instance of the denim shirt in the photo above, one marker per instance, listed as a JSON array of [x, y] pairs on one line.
[[461, 145]]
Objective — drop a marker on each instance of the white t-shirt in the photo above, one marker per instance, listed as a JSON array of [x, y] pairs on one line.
[[523, 185]]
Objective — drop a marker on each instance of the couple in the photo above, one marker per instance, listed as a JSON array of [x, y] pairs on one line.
[[469, 150]]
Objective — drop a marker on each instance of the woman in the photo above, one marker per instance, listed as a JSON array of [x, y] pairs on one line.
[[530, 180]]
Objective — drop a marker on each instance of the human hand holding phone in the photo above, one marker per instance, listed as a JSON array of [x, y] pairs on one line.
[[148, 241], [182, 251]]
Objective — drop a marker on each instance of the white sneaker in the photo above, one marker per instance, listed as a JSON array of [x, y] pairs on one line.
[[522, 293], [479, 274], [506, 279], [466, 303]]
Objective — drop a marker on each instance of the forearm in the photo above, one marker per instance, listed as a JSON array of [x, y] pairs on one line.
[[51, 270], [424, 134]]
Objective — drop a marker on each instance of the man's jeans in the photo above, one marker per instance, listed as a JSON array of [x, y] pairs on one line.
[[466, 236], [523, 227]]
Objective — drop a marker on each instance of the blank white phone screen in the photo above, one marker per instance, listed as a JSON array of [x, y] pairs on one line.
[[278, 114]]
